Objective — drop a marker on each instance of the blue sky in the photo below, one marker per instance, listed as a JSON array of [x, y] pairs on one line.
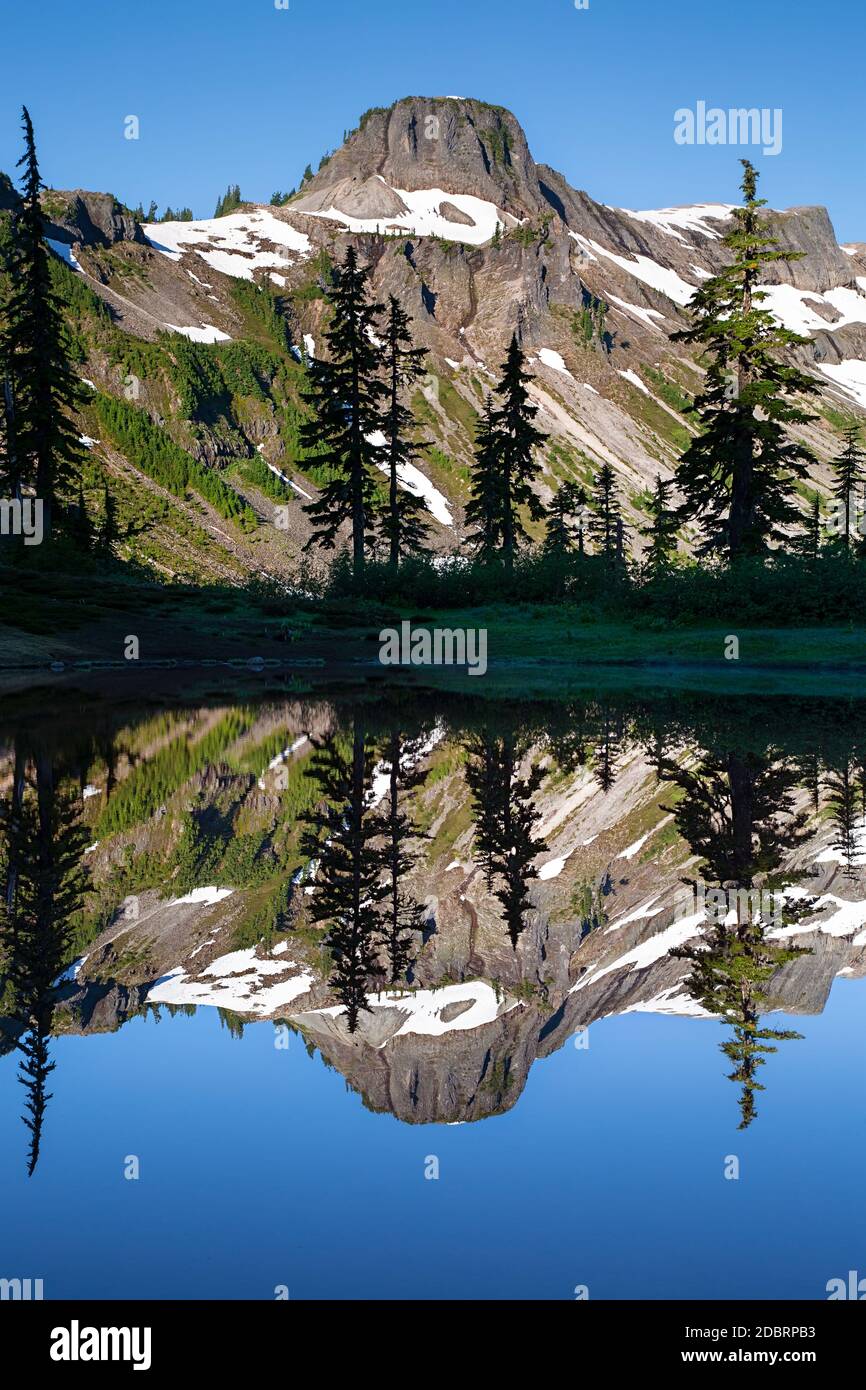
[[238, 90], [257, 1168]]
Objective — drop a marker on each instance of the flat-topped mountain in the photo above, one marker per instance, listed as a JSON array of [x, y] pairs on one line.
[[444, 200]]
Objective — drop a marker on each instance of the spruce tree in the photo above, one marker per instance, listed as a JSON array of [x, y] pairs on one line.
[[404, 523], [662, 530], [844, 797], [517, 438], [483, 778], [568, 503], [229, 202], [42, 449], [738, 474], [505, 819], [343, 834], [346, 395], [484, 508], [45, 842], [605, 523], [738, 813], [403, 917], [729, 973], [606, 751], [848, 474]]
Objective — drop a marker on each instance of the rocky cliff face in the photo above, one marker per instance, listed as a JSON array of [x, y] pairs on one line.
[[459, 145], [89, 219]]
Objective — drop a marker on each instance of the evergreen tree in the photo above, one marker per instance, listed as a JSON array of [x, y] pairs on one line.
[[729, 971], [844, 798], [568, 502], [738, 814], [848, 474], [45, 842], [484, 782], [404, 523], [342, 834], [517, 438], [484, 508], [505, 819], [517, 846], [229, 202], [606, 750], [42, 450], [662, 530], [738, 474], [808, 767], [346, 395], [605, 523], [402, 916], [83, 529], [306, 176]]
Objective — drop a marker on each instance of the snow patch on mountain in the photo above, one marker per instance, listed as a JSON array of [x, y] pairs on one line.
[[64, 252], [849, 375], [206, 334], [643, 268], [693, 219], [414, 481], [553, 359], [789, 305], [233, 244], [423, 218], [646, 315], [634, 379], [424, 1008], [242, 994], [648, 952]]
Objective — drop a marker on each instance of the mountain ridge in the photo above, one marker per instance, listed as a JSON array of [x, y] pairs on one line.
[[498, 244]]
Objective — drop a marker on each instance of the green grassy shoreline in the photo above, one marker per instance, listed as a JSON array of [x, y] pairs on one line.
[[531, 648]]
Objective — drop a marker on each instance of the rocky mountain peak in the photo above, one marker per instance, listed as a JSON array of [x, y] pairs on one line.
[[456, 144]]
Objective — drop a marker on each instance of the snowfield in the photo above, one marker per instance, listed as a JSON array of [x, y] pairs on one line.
[[849, 375], [422, 216], [693, 219], [553, 359], [234, 981], [64, 252], [642, 268], [206, 334], [424, 1008], [646, 315], [634, 379], [793, 309], [232, 244]]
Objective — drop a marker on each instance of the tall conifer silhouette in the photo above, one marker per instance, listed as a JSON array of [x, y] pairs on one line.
[[505, 464], [404, 523], [739, 473], [44, 848], [346, 395], [42, 450], [402, 917], [343, 835], [505, 819]]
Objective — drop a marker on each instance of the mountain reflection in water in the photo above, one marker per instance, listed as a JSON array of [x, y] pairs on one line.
[[432, 892]]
